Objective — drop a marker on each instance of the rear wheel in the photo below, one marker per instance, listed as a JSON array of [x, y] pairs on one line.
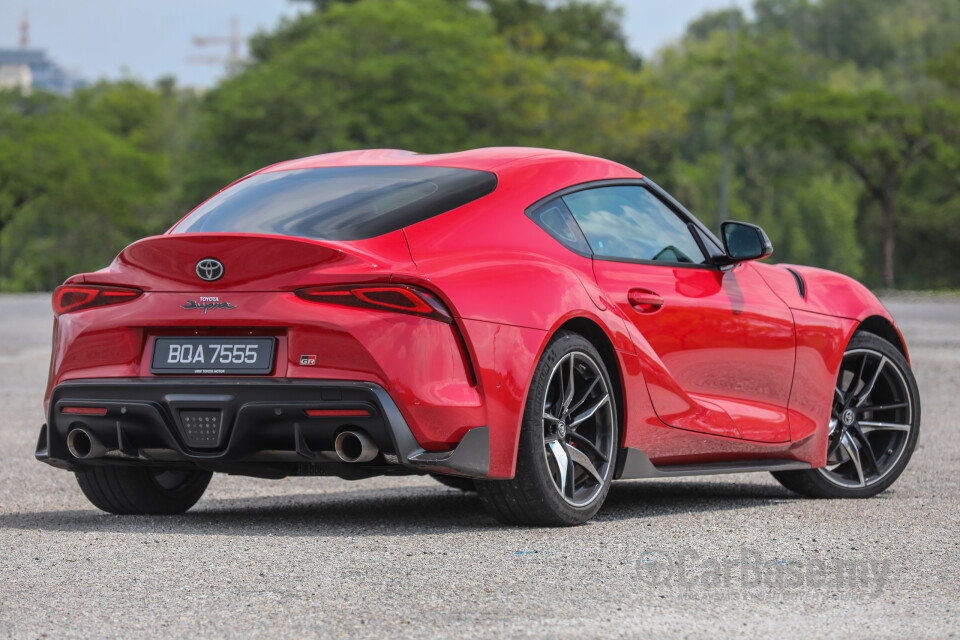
[[567, 443], [874, 424], [142, 491]]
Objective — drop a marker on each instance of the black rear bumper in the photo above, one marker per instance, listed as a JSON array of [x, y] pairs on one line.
[[246, 426]]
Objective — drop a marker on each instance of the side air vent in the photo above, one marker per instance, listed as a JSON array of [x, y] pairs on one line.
[[801, 285]]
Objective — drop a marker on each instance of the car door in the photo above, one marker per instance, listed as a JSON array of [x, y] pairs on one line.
[[719, 344]]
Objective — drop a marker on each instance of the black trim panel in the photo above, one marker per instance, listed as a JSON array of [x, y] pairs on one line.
[[634, 464], [264, 422], [801, 284]]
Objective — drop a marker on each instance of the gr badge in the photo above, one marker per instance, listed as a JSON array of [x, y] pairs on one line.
[[308, 361]]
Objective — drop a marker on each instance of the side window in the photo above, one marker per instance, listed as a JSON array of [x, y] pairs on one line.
[[555, 219], [630, 222]]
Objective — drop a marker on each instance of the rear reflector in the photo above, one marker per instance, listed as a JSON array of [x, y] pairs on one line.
[[85, 411], [336, 413], [69, 298], [384, 297]]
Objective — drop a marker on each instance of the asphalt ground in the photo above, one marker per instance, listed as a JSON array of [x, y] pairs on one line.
[[407, 557]]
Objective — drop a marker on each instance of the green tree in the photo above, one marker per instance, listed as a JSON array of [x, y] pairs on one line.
[[832, 98], [72, 193], [579, 28], [845, 125], [878, 135], [574, 28], [426, 75]]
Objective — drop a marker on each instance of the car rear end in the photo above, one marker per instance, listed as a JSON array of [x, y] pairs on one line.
[[267, 335]]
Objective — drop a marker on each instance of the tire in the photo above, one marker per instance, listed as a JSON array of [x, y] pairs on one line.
[[560, 435], [454, 482], [142, 490], [878, 421]]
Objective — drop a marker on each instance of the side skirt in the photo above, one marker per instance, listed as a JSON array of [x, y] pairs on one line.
[[633, 463]]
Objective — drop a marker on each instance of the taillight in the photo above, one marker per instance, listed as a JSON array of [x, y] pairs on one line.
[[384, 297], [71, 297], [337, 413], [85, 411]]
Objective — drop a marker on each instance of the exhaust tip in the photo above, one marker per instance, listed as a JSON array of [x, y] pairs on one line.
[[355, 446], [83, 445]]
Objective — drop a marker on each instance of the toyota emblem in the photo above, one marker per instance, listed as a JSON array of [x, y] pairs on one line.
[[210, 269]]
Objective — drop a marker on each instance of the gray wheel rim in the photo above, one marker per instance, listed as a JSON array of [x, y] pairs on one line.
[[870, 422], [578, 428]]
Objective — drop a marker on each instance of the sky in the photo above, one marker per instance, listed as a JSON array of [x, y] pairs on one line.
[[147, 39]]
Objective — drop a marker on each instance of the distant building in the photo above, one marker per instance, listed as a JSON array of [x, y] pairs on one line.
[[33, 67], [16, 76]]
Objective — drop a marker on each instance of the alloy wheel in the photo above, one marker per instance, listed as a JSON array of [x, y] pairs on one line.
[[870, 421], [578, 428]]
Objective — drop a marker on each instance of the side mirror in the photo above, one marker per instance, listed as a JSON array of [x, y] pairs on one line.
[[743, 241]]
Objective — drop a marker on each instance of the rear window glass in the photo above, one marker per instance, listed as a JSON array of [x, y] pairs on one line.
[[338, 203]]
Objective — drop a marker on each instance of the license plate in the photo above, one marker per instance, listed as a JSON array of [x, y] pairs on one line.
[[213, 356]]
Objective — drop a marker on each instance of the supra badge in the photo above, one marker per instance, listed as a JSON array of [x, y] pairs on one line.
[[207, 303], [209, 269]]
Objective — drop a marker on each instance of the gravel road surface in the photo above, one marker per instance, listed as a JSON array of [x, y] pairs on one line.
[[407, 557]]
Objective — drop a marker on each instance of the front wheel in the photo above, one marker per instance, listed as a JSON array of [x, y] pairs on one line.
[[142, 490], [568, 441], [874, 424]]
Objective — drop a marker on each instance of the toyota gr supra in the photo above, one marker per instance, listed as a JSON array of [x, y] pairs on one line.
[[526, 323]]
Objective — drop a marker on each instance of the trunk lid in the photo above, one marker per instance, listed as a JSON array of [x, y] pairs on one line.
[[253, 262]]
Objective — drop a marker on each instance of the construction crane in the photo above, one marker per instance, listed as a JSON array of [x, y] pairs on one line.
[[234, 42], [25, 30]]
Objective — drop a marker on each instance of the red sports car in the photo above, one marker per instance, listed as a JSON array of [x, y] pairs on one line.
[[526, 323]]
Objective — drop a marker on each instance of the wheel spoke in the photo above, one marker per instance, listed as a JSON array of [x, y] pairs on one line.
[[839, 394], [836, 453], [865, 392], [869, 426], [883, 407], [569, 391], [589, 412], [859, 377], [866, 449], [576, 405], [562, 394], [850, 445], [571, 483], [588, 445], [834, 425], [580, 458], [563, 464], [547, 416]]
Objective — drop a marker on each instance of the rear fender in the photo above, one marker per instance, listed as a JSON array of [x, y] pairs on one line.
[[506, 359]]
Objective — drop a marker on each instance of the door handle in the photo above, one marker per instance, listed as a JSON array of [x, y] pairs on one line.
[[644, 300]]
